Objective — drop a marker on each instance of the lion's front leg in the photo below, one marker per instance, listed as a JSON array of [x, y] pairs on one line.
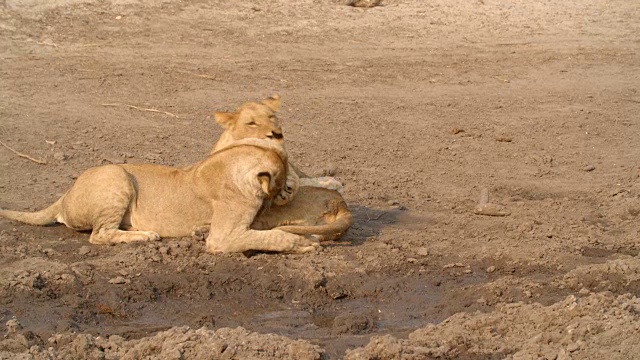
[[230, 232], [290, 188]]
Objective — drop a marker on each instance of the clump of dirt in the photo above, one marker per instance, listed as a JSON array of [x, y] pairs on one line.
[[575, 328], [175, 343]]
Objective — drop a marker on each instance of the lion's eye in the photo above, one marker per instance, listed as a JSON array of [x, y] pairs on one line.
[[253, 123]]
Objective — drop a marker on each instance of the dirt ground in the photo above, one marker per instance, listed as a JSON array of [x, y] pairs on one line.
[[417, 105]]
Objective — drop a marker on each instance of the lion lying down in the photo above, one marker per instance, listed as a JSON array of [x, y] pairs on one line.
[[316, 209], [225, 192]]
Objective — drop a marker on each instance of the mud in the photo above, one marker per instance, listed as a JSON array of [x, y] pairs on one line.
[[416, 106]]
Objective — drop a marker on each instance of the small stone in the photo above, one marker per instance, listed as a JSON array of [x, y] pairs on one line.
[[329, 170], [588, 168], [118, 17], [60, 156], [562, 355], [363, 3], [13, 325], [584, 291], [84, 250], [573, 347], [338, 293], [118, 280], [452, 265], [527, 293], [411, 260], [422, 251], [491, 269], [490, 209]]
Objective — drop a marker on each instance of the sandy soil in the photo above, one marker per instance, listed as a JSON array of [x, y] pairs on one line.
[[418, 105]]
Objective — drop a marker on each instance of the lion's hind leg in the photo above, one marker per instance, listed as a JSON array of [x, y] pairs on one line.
[[99, 200], [114, 236]]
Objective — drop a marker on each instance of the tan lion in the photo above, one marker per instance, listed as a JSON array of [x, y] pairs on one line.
[[317, 209], [127, 202]]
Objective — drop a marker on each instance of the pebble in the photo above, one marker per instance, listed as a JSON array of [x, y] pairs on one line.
[[573, 347], [118, 280], [422, 251], [84, 250], [584, 291], [589, 168], [13, 325], [363, 3], [452, 265], [329, 170], [60, 156], [562, 355], [491, 210], [491, 269]]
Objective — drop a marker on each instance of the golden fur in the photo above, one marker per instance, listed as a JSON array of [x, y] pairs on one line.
[[225, 192]]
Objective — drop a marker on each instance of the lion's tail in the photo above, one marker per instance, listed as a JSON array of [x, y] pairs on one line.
[[329, 231], [43, 217]]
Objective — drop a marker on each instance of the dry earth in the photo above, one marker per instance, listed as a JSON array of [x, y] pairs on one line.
[[417, 105]]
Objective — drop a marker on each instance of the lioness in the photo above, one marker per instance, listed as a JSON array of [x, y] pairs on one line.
[[224, 191], [314, 211]]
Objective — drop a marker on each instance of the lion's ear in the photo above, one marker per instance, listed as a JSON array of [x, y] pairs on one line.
[[225, 119], [272, 102]]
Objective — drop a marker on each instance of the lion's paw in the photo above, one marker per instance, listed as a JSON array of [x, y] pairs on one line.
[[200, 232], [288, 192], [305, 244], [327, 182], [152, 235]]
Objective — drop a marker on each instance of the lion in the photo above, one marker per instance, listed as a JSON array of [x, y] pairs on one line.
[[143, 202], [316, 210]]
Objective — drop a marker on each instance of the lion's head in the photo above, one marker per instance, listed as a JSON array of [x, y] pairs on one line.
[[251, 120]]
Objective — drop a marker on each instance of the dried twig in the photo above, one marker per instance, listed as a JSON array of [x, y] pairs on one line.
[[632, 100], [204, 76], [147, 109], [41, 162], [374, 218], [486, 208], [48, 43]]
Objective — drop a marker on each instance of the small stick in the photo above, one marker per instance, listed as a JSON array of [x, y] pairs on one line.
[[41, 162], [486, 208], [204, 76], [484, 196], [48, 44], [146, 109], [375, 218]]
